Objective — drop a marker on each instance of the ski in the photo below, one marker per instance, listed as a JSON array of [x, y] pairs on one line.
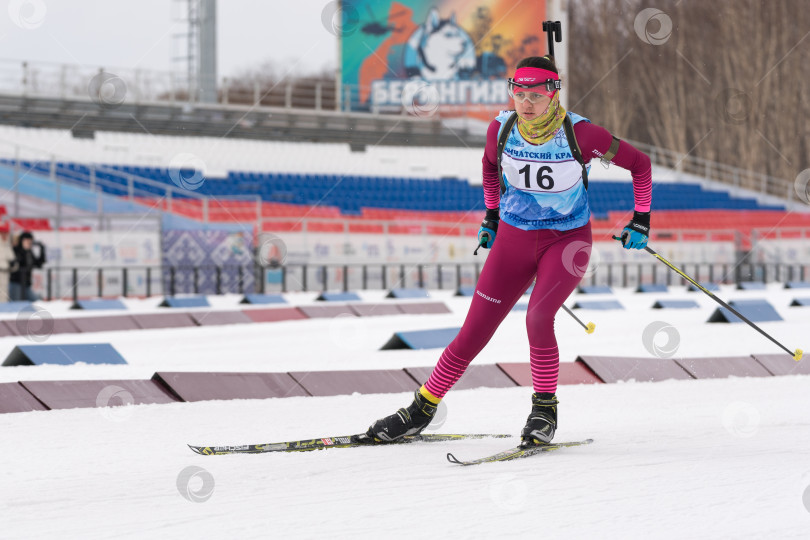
[[518, 452], [347, 441]]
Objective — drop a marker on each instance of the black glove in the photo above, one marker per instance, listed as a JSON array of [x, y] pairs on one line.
[[488, 230], [636, 233]]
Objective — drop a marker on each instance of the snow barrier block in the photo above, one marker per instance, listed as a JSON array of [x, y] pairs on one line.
[[465, 291], [374, 310], [437, 338], [755, 310], [407, 293], [721, 367], [216, 318], [325, 312], [203, 386], [804, 302], [335, 383], [598, 304], [148, 321], [8, 328], [783, 364], [185, 302], [83, 394], [595, 289], [37, 326], [750, 286], [612, 369], [339, 297], [570, 373], [423, 308], [15, 307], [652, 287], [15, 398], [708, 286], [99, 303], [105, 324], [61, 326], [675, 304], [797, 285], [476, 376], [263, 299], [274, 314], [89, 353]]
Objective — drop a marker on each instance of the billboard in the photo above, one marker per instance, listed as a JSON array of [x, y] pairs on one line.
[[435, 57]]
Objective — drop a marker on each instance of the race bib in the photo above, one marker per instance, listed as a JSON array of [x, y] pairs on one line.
[[541, 176]]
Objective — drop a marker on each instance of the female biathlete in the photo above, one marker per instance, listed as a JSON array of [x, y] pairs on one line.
[[539, 208]]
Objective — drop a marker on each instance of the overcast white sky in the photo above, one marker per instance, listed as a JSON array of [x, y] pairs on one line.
[[130, 34]]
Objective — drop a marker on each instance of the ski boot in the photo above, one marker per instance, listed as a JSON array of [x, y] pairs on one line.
[[408, 421], [542, 422]]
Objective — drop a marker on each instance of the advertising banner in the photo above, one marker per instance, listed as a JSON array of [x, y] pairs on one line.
[[231, 252], [99, 256], [444, 57]]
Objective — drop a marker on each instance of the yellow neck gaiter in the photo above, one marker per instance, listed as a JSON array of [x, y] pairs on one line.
[[542, 128]]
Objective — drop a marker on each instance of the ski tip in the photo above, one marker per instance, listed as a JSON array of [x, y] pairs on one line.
[[453, 459], [202, 450]]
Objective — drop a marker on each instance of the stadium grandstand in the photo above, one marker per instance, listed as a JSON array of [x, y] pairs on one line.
[[308, 180]]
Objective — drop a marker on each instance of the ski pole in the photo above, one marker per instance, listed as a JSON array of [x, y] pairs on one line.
[[482, 243], [589, 328], [797, 355]]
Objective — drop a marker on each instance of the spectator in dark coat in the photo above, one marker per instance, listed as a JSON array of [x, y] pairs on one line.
[[28, 254]]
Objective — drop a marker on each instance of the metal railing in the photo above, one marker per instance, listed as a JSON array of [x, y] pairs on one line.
[[235, 279], [109, 185], [720, 172], [112, 87]]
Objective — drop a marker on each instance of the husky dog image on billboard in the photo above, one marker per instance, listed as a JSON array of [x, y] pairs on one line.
[[445, 57]]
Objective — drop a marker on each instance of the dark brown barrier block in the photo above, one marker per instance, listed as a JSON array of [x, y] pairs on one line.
[[712, 368], [81, 394], [200, 386], [8, 328], [374, 381], [15, 398], [326, 311], [39, 327], [570, 373], [105, 324], [173, 319], [783, 364], [520, 372], [213, 318], [423, 308], [374, 310], [613, 369], [64, 326], [476, 376], [274, 314]]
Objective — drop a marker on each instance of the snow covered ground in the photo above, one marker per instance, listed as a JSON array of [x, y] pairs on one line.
[[703, 459]]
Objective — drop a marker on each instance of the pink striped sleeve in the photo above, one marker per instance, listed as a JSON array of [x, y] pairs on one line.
[[595, 140], [492, 184]]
